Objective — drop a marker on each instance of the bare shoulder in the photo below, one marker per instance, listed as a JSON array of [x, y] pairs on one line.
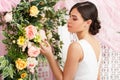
[[75, 50], [75, 46], [72, 61]]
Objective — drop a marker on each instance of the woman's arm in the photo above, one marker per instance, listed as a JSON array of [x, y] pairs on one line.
[[55, 68], [74, 56], [47, 52], [71, 65], [98, 78]]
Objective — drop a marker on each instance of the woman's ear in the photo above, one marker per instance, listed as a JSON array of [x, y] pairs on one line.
[[89, 22]]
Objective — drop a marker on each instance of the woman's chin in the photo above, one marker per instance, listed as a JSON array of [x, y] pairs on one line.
[[71, 31]]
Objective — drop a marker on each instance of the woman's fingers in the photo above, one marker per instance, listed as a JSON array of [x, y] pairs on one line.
[[46, 43], [45, 46], [42, 51]]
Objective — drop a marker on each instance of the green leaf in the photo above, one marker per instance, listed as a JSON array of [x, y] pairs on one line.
[[5, 72], [2, 58], [3, 64], [5, 34], [11, 70], [51, 4], [20, 27], [5, 41]]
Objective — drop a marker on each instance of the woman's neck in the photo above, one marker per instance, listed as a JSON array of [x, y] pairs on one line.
[[84, 35]]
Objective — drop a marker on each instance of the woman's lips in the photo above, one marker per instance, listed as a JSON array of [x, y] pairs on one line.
[[69, 26]]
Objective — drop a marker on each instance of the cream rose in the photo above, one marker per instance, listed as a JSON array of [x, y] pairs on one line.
[[8, 17], [31, 64], [34, 11]]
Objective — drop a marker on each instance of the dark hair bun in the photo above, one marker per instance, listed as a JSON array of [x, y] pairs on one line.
[[89, 11], [95, 26]]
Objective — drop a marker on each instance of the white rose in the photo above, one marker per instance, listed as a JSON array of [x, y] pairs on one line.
[[49, 35], [31, 63], [8, 17]]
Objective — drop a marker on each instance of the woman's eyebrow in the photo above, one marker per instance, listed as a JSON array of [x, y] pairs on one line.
[[73, 15]]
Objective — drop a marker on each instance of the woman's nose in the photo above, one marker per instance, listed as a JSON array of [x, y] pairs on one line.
[[68, 21]]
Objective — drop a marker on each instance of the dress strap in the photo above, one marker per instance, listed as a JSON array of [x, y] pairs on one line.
[[87, 49]]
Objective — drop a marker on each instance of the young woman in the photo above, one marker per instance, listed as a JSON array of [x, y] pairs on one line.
[[83, 55]]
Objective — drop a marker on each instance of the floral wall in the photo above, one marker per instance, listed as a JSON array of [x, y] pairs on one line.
[[25, 25]]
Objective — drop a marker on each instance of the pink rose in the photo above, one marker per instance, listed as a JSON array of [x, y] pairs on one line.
[[33, 51], [30, 31]]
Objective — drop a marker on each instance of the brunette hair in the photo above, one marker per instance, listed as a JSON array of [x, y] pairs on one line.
[[89, 11]]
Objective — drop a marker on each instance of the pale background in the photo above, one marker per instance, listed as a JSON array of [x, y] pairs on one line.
[[109, 11]]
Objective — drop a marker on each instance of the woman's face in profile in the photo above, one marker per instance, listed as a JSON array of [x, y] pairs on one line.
[[75, 22]]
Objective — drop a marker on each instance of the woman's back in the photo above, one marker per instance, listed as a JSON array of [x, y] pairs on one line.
[[88, 67]]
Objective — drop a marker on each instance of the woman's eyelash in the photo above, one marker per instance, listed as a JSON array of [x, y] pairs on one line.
[[74, 19]]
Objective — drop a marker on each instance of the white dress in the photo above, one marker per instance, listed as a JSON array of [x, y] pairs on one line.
[[88, 67]]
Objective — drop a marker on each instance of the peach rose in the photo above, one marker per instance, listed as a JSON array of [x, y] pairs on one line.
[[33, 51], [30, 31], [20, 64], [23, 75]]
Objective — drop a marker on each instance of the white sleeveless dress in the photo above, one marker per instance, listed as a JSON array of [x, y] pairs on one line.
[[88, 67]]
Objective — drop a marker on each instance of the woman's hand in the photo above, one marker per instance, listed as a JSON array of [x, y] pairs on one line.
[[46, 49]]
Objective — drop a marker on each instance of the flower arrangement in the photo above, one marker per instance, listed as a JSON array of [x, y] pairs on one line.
[[28, 25]]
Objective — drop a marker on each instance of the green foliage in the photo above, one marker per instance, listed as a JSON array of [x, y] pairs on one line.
[[47, 19]]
